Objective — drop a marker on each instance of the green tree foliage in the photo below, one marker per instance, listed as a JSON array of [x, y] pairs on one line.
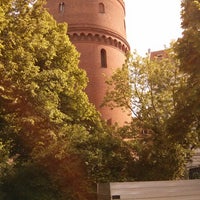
[[45, 112], [29, 182], [188, 46], [53, 144], [149, 89], [188, 52]]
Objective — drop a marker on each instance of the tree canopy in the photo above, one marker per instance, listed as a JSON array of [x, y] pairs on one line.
[[44, 110], [188, 51], [53, 143], [148, 87]]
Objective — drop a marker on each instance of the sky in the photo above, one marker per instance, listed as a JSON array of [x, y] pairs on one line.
[[152, 24]]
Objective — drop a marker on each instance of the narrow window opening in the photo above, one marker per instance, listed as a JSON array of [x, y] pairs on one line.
[[116, 197], [194, 173], [101, 8], [124, 25], [109, 122], [103, 58], [61, 7], [159, 57]]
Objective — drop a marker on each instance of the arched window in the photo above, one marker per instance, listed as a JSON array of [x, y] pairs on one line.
[[103, 58], [101, 8], [61, 7], [109, 122]]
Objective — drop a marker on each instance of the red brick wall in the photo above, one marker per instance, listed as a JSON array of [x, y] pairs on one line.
[[91, 31]]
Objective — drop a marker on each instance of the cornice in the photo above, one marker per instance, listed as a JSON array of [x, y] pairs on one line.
[[98, 35]]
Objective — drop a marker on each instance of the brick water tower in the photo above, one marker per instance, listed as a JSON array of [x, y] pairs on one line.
[[97, 29]]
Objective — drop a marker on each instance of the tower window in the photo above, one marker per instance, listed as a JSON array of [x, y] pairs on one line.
[[101, 8], [124, 25], [109, 122], [103, 58], [61, 7]]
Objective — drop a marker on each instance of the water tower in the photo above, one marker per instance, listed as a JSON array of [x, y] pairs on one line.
[[97, 29]]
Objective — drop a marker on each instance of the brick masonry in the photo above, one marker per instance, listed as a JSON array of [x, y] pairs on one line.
[[94, 25]]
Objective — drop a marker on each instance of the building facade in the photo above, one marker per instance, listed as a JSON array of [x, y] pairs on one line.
[[98, 31]]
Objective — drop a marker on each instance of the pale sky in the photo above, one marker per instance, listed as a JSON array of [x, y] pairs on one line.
[[152, 24]]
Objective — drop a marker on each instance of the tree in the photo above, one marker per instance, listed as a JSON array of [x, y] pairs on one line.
[[52, 140], [187, 47], [188, 51], [149, 89], [42, 101]]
